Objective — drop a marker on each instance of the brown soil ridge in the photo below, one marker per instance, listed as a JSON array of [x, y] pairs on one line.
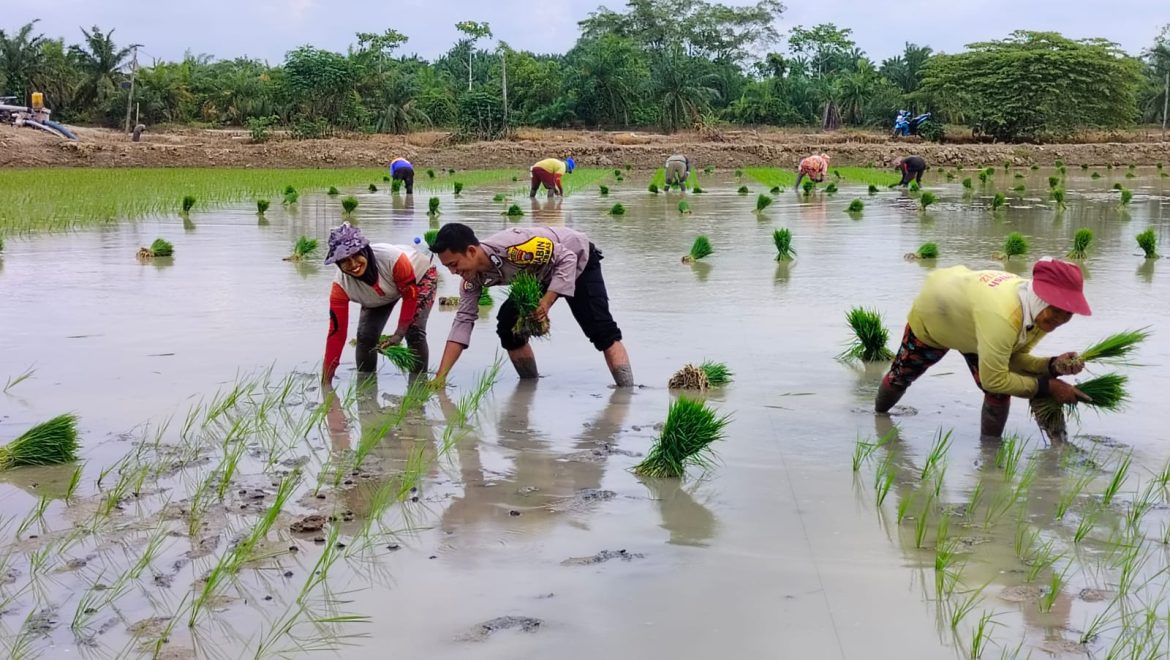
[[21, 147]]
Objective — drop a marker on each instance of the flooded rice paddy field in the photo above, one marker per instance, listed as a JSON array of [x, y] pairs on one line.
[[505, 522]]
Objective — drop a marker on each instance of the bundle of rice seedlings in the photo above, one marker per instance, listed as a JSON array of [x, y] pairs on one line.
[[1053, 181], [998, 201], [525, 293], [783, 239], [261, 206], [1081, 241], [162, 248], [1148, 242], [430, 174], [697, 189], [49, 443], [718, 373], [762, 202], [950, 176], [869, 337], [429, 236], [914, 187], [499, 197], [873, 190], [683, 207], [1020, 189], [373, 188], [617, 172], [1034, 167], [1017, 175], [485, 298], [349, 204], [856, 206], [617, 209], [1084, 166], [458, 185], [1126, 196], [1130, 175], [1117, 186], [739, 173], [604, 190], [689, 377], [1058, 197], [450, 170], [433, 206], [302, 249], [831, 188], [290, 197], [967, 183], [710, 169], [402, 357], [1063, 170], [188, 203], [385, 178], [1116, 349], [808, 186], [1058, 163], [690, 429], [926, 199], [333, 191], [776, 190], [1107, 393], [395, 186], [982, 176], [1015, 245], [288, 190], [743, 190], [1095, 175], [653, 188], [514, 211], [515, 179], [927, 251], [699, 249]]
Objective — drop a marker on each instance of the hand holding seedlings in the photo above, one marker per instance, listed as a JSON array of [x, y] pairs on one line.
[[1062, 392], [1068, 364], [388, 341]]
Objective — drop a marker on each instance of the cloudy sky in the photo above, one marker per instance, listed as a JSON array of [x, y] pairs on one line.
[[268, 28]]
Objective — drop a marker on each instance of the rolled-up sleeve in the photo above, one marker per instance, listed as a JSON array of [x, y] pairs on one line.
[[466, 315]]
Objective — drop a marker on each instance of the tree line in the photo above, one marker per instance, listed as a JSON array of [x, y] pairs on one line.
[[681, 65]]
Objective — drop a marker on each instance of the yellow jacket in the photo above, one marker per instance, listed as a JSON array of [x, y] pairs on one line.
[[980, 312], [552, 166]]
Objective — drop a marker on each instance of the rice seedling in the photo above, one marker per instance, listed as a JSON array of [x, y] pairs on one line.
[[869, 337], [290, 198], [938, 453], [262, 206], [998, 201], [856, 206], [1116, 349], [981, 635], [873, 190], [743, 190], [395, 186], [808, 186], [373, 188], [1053, 182], [1055, 585], [831, 188], [776, 190], [349, 204], [1118, 186], [1034, 167], [1117, 480], [430, 174], [1107, 394], [333, 191], [967, 183], [982, 176], [161, 248], [188, 203], [762, 202], [690, 429], [914, 187], [950, 176], [514, 211], [385, 178], [617, 209], [402, 357], [700, 248], [926, 199], [18, 379], [485, 297], [697, 189], [710, 169], [927, 251], [1085, 526], [303, 249], [429, 236], [863, 450], [617, 172], [1126, 196], [922, 521], [1130, 175], [450, 170], [1095, 175], [433, 206], [1057, 195], [684, 207], [603, 189], [718, 373], [1148, 242], [1017, 175], [525, 293], [739, 173], [883, 480], [458, 186], [1015, 245], [48, 443]]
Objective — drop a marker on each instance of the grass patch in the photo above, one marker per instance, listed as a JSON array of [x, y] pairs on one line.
[[1081, 241], [782, 238], [690, 429], [771, 177], [48, 443], [869, 337]]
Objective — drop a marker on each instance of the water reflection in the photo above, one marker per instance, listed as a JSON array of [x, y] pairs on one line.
[[1145, 271]]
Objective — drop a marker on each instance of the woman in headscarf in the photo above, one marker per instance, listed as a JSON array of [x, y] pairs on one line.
[[814, 167], [376, 276]]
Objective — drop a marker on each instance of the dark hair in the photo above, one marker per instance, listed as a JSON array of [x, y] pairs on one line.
[[454, 237]]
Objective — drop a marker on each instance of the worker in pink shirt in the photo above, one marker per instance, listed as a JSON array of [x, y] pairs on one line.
[[814, 167]]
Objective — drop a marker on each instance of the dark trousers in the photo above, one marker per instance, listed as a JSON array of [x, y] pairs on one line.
[[406, 176]]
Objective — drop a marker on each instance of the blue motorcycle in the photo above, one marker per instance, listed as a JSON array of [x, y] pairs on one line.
[[905, 125]]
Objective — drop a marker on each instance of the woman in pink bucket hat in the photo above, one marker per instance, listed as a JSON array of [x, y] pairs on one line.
[[994, 319]]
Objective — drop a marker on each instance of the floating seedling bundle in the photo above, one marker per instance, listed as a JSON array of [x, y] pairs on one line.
[[762, 202], [869, 337], [684, 207], [690, 377], [783, 239], [349, 204], [525, 293], [603, 189], [925, 251], [718, 374], [856, 206], [1015, 245], [188, 203], [1081, 241], [514, 211], [831, 188], [926, 199], [333, 191], [159, 248], [690, 429], [617, 209], [1148, 242], [699, 249], [458, 187], [303, 249], [262, 206], [49, 443], [433, 206]]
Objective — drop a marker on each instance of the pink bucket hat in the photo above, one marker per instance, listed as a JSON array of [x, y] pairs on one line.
[[1061, 285]]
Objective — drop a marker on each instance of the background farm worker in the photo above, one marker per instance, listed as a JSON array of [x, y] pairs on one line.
[[814, 167], [566, 263], [678, 170], [402, 170], [994, 319], [548, 173], [911, 168], [376, 276]]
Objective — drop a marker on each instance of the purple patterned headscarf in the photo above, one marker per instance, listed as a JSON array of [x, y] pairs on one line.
[[344, 241]]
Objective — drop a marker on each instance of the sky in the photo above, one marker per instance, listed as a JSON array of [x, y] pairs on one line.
[[267, 29]]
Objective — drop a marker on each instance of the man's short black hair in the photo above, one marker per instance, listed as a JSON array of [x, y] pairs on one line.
[[454, 237]]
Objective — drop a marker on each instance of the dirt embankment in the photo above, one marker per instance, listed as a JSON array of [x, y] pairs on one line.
[[226, 148]]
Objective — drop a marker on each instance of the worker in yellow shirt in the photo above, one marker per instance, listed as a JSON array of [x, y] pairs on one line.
[[994, 319], [548, 173]]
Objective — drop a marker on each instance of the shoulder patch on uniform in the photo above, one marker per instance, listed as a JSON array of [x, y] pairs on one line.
[[468, 286], [536, 251]]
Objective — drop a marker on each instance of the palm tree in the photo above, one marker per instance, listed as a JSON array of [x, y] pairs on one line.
[[399, 112], [99, 61], [21, 58], [608, 71], [682, 95]]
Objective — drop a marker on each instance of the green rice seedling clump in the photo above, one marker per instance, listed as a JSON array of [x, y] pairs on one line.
[[1053, 181], [617, 209], [1095, 175], [831, 188], [395, 186], [869, 337], [998, 201], [485, 297], [373, 188], [914, 187], [349, 204], [739, 173], [762, 202], [429, 236], [743, 190], [684, 207], [525, 293], [782, 238], [514, 211], [718, 373], [926, 199], [1081, 241], [288, 190], [188, 203], [385, 178], [928, 251], [710, 169], [1015, 245], [450, 170], [967, 183], [262, 206], [1058, 197], [402, 357], [653, 188], [1017, 175], [304, 248], [433, 206], [290, 198], [430, 174], [1148, 242], [499, 197], [1020, 188], [856, 206], [1118, 186], [1059, 163], [776, 190], [458, 186], [690, 429], [1034, 167], [808, 186], [333, 191], [162, 248], [1116, 349], [1130, 175], [700, 248], [604, 190], [873, 190], [1107, 393], [1126, 196], [48, 443], [698, 190]]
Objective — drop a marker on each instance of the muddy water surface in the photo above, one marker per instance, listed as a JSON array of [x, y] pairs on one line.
[[532, 537]]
